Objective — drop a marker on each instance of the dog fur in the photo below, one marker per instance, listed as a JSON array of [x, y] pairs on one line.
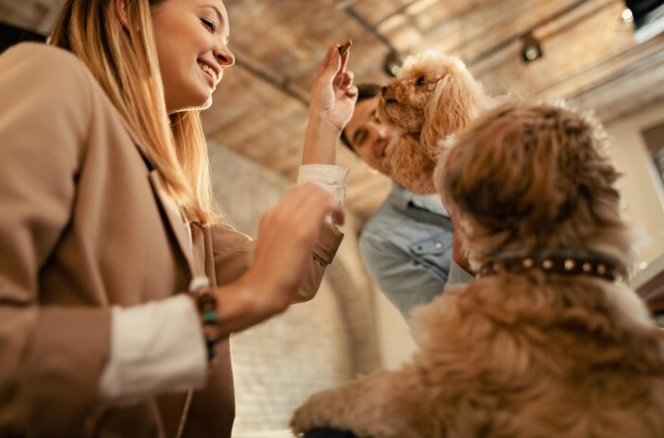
[[432, 97], [528, 354]]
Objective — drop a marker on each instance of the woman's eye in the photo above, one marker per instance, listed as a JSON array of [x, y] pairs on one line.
[[209, 24]]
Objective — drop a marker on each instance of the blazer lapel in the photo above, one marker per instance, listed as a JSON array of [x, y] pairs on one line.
[[174, 218], [169, 208]]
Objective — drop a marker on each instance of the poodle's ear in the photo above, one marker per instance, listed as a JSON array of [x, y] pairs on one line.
[[456, 100]]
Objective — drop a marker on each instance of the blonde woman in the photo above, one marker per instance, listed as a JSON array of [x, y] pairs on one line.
[[119, 287]]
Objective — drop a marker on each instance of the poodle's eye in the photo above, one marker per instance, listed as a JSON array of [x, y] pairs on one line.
[[420, 81]]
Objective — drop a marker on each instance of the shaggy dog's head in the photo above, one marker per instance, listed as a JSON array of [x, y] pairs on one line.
[[534, 178], [432, 97], [522, 353]]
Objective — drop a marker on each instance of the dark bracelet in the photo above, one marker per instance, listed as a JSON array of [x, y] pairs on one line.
[[206, 303]]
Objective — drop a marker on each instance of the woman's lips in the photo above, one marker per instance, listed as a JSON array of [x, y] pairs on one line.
[[210, 73]]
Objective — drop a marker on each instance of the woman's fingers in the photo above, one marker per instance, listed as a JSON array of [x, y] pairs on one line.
[[307, 205], [330, 64], [345, 81], [286, 239], [344, 60], [334, 66], [298, 216]]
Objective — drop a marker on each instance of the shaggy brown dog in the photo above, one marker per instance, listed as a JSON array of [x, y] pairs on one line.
[[432, 97], [545, 343]]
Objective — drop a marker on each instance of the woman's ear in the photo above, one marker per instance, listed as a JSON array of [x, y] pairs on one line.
[[121, 13]]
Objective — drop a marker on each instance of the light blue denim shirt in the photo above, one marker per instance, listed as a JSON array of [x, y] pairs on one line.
[[407, 248]]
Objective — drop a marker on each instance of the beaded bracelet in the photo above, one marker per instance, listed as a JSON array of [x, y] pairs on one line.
[[206, 302]]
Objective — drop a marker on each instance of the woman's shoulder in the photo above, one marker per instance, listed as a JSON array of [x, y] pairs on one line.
[[46, 64], [40, 53], [50, 88]]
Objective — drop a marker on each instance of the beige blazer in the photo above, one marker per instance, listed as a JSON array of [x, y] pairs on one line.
[[84, 225]]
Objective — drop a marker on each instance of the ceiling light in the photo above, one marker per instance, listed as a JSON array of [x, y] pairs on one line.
[[393, 62], [627, 15], [532, 49]]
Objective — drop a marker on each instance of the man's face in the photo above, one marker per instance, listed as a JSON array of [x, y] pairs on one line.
[[368, 136]]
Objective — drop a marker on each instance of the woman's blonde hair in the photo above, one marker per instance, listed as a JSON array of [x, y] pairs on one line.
[[124, 61]]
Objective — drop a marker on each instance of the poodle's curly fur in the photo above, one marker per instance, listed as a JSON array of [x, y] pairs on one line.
[[432, 97], [529, 354]]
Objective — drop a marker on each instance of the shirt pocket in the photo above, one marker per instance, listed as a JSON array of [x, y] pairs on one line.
[[434, 253]]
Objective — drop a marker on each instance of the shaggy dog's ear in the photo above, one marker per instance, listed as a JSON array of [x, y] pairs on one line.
[[456, 100]]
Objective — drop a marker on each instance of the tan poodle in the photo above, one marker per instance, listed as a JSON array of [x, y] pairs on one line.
[[432, 97], [548, 341]]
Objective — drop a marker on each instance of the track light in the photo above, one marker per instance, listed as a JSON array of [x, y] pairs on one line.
[[627, 15], [532, 49], [393, 62]]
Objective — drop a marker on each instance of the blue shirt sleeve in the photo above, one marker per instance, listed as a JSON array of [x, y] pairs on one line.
[[403, 278]]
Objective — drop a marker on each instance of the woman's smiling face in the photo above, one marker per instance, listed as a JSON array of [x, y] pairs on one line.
[[192, 46]]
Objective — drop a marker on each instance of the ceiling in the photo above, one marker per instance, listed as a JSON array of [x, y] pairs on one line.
[[590, 58]]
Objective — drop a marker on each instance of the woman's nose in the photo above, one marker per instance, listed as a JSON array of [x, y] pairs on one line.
[[224, 57]]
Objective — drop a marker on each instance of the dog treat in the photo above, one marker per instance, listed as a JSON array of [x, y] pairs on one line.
[[343, 49]]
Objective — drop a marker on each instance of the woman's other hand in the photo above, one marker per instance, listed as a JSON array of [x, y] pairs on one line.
[[284, 249]]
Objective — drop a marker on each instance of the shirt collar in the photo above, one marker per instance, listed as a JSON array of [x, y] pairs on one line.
[[406, 199]]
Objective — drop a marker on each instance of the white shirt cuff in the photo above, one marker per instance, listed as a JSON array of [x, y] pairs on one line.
[[332, 179], [155, 347]]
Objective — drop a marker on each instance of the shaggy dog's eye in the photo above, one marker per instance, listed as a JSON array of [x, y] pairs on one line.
[[419, 81]]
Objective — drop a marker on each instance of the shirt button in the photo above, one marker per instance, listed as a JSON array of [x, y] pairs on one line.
[[438, 245], [330, 181]]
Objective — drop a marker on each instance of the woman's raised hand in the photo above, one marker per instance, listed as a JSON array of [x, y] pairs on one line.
[[333, 94], [333, 98]]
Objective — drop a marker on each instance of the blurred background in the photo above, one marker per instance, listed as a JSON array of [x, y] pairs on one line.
[[606, 56]]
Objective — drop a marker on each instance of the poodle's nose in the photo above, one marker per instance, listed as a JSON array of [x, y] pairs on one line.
[[384, 90]]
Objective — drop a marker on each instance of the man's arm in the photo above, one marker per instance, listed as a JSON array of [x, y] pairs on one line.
[[403, 280]]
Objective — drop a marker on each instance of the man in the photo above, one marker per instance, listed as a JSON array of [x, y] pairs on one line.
[[407, 245]]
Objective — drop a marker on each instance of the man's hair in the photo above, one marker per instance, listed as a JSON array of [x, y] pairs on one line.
[[364, 91]]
